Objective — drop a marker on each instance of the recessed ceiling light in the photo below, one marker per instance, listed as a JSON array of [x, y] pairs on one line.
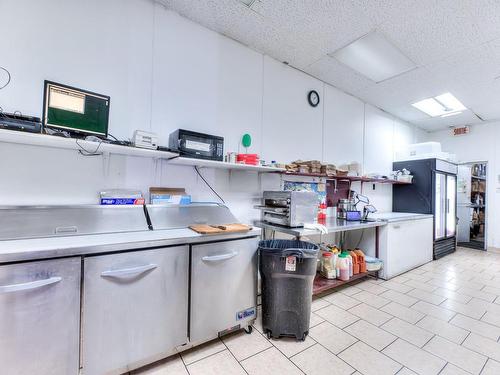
[[442, 105], [374, 57]]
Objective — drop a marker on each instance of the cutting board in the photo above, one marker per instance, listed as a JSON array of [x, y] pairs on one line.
[[214, 229]]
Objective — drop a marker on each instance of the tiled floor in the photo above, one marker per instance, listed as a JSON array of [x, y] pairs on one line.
[[442, 318]]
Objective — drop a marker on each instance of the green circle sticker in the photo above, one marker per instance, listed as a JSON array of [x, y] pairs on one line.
[[246, 141]]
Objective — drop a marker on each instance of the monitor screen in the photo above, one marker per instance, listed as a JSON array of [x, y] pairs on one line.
[[75, 110]]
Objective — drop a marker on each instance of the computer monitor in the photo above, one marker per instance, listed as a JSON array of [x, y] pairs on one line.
[[75, 110]]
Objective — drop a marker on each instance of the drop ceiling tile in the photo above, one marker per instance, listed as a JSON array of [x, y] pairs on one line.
[[432, 30]]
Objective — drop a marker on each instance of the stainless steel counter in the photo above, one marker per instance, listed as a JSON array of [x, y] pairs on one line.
[[332, 225], [55, 247]]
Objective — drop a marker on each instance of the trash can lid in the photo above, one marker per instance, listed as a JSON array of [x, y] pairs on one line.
[[280, 246]]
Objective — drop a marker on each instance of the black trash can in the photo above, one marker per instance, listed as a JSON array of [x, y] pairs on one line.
[[287, 269]]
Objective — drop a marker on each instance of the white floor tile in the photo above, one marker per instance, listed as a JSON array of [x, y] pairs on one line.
[[397, 286], [369, 361], [400, 298], [270, 362], [341, 300], [331, 337], [316, 360], [372, 335], [467, 310], [290, 346], [350, 290], [319, 303], [370, 287], [453, 370], [476, 326], [315, 320], [483, 346], [488, 297], [370, 314], [202, 351], [450, 294], [244, 345], [402, 312], [460, 356], [491, 368], [220, 363], [426, 296], [170, 366], [443, 329], [434, 311], [409, 332], [414, 358], [421, 286], [491, 318], [371, 299], [337, 316]]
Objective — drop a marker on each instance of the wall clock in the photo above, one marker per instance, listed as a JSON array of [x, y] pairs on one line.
[[313, 98]]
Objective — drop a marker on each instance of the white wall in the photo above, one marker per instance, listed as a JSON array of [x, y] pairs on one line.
[[479, 145], [164, 72]]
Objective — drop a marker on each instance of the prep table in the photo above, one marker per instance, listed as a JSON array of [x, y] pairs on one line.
[[109, 302], [332, 225]]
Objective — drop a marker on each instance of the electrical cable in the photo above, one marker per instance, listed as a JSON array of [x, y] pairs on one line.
[[360, 239], [206, 182], [8, 77], [86, 152]]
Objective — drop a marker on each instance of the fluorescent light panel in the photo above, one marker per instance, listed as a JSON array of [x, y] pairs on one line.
[[374, 57], [443, 105]]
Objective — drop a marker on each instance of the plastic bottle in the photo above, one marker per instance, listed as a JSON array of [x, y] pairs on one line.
[[349, 262], [343, 267]]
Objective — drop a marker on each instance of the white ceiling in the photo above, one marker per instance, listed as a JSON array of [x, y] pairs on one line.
[[455, 43]]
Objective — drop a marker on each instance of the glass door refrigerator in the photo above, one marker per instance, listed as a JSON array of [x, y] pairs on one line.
[[433, 191]]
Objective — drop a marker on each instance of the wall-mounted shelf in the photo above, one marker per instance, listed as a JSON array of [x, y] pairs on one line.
[[88, 147], [222, 165], [51, 141], [349, 178]]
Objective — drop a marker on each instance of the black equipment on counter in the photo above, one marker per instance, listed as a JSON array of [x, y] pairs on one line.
[[197, 145], [14, 121]]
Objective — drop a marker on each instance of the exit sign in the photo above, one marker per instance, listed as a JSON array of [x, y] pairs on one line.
[[463, 130]]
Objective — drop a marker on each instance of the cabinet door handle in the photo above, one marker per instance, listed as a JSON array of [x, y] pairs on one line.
[[396, 226], [28, 286], [216, 258], [127, 272]]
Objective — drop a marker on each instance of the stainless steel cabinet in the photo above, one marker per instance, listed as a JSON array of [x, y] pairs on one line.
[[223, 287], [40, 317], [135, 308]]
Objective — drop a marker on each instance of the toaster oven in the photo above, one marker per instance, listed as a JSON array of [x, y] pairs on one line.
[[289, 208]]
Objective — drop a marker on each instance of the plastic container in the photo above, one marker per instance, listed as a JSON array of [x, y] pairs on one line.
[[287, 269], [343, 267], [373, 264], [361, 258], [349, 260], [355, 262], [328, 265]]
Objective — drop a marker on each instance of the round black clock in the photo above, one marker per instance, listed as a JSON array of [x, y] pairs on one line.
[[313, 98]]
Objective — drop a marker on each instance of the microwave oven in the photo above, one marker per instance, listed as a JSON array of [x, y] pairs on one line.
[[197, 145]]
